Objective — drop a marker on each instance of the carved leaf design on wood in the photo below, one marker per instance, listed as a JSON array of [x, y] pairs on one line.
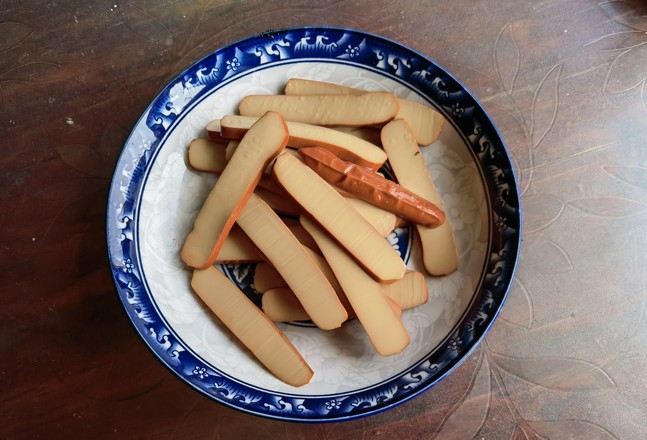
[[222, 425], [634, 176], [618, 41], [569, 429], [335, 431], [82, 158], [541, 211], [69, 189], [609, 206], [479, 82], [561, 374], [518, 309], [520, 175], [506, 58], [90, 162], [12, 34], [627, 71], [519, 434], [39, 71], [112, 139], [545, 256], [545, 103], [626, 13], [469, 417], [148, 27]]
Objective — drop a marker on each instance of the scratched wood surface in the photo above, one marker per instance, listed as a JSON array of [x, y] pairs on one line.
[[565, 82]]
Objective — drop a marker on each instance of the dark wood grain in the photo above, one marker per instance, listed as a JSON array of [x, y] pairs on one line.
[[565, 82]]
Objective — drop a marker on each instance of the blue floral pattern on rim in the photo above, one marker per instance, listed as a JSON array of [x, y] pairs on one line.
[[327, 45]]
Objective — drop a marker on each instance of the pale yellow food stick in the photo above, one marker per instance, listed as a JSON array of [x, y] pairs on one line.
[[280, 304], [424, 121], [344, 145], [207, 156], [277, 202], [334, 213], [369, 134], [345, 109], [409, 292], [238, 248], [231, 147], [382, 220], [372, 308], [274, 239], [248, 323], [301, 234], [264, 140], [440, 256], [266, 277]]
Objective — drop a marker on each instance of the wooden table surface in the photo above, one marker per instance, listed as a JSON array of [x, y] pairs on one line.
[[565, 83]]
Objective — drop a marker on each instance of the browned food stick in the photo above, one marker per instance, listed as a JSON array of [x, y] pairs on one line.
[[373, 188]]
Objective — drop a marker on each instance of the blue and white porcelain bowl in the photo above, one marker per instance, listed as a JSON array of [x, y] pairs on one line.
[[154, 198]]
